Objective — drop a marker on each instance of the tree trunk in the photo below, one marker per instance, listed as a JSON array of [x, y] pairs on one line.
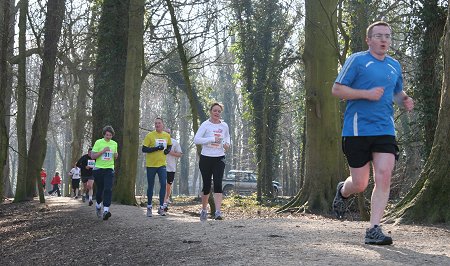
[[184, 143], [79, 120], [38, 143], [4, 45], [263, 32], [428, 201], [185, 68], [109, 78], [8, 188], [22, 182], [322, 163], [360, 22], [125, 189], [428, 79]]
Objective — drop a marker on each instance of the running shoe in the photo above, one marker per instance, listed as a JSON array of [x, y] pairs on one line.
[[218, 215], [203, 215], [90, 203], [83, 198], [106, 215], [166, 208], [374, 236], [99, 212], [149, 212], [339, 202], [161, 211]]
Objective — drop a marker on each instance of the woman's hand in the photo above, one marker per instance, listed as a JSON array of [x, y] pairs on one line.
[[226, 146]]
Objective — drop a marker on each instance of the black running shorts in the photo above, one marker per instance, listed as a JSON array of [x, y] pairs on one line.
[[358, 150], [170, 177]]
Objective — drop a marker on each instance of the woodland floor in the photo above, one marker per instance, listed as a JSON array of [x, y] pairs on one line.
[[65, 231]]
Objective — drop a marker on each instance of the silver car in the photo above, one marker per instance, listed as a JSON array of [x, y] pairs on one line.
[[244, 183]]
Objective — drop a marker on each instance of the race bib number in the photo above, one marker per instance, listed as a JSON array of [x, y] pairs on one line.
[[219, 144], [91, 163], [161, 142], [107, 156]]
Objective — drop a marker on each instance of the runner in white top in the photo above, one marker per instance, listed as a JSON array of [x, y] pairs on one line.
[[171, 167], [214, 136], [75, 173]]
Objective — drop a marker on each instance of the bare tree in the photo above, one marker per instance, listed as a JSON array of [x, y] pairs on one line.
[[38, 143], [5, 11], [23, 184]]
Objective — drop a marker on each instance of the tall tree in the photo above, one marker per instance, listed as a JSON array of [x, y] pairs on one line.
[[8, 188], [22, 181], [38, 142], [322, 163], [185, 67], [5, 9], [79, 66], [264, 29], [428, 199], [126, 193], [109, 78], [427, 90]]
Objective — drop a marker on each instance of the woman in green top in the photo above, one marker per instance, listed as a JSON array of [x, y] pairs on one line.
[[104, 153]]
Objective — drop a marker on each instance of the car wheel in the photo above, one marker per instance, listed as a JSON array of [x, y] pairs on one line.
[[228, 190]]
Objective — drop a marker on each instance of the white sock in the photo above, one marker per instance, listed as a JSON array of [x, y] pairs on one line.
[[90, 197], [105, 209], [149, 206], [98, 205]]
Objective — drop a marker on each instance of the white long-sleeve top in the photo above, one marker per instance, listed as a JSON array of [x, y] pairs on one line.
[[206, 136]]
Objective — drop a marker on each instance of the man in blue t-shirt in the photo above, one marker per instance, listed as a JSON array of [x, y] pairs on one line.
[[370, 81]]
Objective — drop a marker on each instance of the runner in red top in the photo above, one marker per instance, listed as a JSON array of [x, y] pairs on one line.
[[56, 181], [43, 178]]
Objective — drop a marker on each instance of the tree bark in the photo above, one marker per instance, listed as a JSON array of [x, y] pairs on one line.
[[4, 45], [109, 78], [22, 182], [38, 142], [125, 190], [428, 82], [184, 143], [428, 200], [322, 163]]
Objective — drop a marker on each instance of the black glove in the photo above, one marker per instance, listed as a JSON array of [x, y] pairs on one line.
[[169, 148]]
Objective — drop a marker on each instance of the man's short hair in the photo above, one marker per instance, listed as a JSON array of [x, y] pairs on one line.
[[376, 23]]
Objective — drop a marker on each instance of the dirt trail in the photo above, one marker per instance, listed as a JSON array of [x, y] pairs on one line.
[[67, 232]]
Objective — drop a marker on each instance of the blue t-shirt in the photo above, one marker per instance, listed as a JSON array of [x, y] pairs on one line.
[[362, 117]]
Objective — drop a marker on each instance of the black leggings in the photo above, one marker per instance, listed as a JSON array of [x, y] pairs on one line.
[[212, 166]]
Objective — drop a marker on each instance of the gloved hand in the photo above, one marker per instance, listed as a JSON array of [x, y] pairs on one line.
[[160, 147], [166, 151]]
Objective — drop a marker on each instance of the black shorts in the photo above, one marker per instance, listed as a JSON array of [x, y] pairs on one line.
[[358, 150], [170, 177], [75, 183], [84, 179]]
